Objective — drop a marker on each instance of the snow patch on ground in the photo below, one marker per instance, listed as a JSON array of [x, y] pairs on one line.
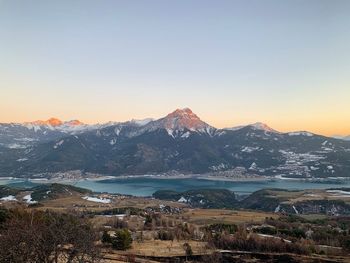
[[97, 200], [16, 146], [58, 144], [186, 135], [277, 209], [302, 133], [28, 199], [9, 198], [121, 216], [117, 130], [312, 195], [253, 166], [182, 200], [22, 160], [338, 192], [249, 149], [295, 210]]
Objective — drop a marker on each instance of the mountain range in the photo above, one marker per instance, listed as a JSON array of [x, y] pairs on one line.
[[346, 138], [179, 143]]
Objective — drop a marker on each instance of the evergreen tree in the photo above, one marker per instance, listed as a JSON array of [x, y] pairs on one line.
[[122, 239]]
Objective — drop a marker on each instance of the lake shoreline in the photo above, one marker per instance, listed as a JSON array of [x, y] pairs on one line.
[[172, 177], [147, 185]]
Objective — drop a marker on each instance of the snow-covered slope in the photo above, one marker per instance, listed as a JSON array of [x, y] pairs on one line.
[[256, 126], [346, 138], [22, 135]]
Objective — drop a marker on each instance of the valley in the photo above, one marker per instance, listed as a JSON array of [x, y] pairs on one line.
[[202, 225]]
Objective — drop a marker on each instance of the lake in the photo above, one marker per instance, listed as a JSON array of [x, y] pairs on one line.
[[147, 186]]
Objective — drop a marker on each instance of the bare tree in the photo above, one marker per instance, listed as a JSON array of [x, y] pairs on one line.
[[46, 237]]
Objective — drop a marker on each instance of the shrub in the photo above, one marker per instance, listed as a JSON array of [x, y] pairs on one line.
[[122, 239], [165, 235], [188, 250], [106, 238]]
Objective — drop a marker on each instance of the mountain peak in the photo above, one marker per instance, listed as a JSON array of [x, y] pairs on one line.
[[181, 119], [182, 113], [176, 122], [262, 126], [52, 122], [74, 123]]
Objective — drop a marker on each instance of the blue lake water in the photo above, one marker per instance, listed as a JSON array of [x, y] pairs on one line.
[[147, 186]]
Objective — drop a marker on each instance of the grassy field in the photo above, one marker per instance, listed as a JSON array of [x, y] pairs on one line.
[[165, 248], [77, 202], [210, 216]]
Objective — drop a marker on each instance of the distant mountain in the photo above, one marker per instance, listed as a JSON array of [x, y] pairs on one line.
[[23, 135], [177, 143], [50, 122], [257, 126], [345, 138]]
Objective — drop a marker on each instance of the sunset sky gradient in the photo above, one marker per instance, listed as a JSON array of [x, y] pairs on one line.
[[285, 63]]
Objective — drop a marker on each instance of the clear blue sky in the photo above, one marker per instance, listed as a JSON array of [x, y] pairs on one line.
[[286, 63]]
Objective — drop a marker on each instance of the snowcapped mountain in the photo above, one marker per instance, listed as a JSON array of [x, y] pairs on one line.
[[263, 127], [72, 126], [179, 142], [22, 135], [345, 138], [50, 122], [256, 126], [181, 122]]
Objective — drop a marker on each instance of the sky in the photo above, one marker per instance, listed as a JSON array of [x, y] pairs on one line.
[[284, 63]]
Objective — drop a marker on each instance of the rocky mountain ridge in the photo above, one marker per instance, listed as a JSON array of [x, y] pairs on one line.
[[178, 143]]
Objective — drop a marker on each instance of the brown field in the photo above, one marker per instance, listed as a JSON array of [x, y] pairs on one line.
[[76, 202], [210, 216], [165, 248]]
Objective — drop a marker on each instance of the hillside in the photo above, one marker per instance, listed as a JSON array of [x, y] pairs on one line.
[[331, 201], [37, 194], [54, 191], [205, 198]]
